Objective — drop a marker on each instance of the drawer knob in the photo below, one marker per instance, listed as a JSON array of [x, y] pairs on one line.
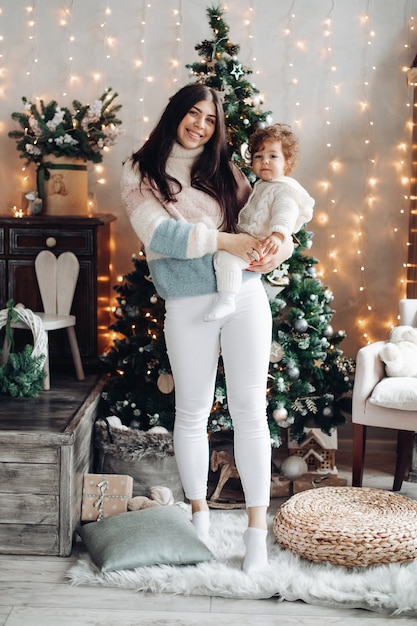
[[51, 242]]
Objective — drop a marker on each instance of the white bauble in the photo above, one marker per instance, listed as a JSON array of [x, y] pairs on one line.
[[115, 422], [293, 373], [280, 414], [157, 430], [293, 467]]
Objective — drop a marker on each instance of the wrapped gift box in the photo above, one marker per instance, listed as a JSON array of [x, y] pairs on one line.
[[105, 495], [315, 480]]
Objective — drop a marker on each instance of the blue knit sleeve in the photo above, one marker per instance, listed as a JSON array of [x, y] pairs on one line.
[[170, 239]]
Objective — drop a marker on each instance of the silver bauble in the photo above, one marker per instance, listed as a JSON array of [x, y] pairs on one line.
[[301, 325]]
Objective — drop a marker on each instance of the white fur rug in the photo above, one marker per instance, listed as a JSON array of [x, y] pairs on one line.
[[389, 589]]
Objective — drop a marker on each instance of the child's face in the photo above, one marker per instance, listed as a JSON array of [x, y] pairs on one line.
[[268, 162]]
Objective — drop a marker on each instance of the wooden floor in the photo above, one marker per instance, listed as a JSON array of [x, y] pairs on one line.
[[34, 591]]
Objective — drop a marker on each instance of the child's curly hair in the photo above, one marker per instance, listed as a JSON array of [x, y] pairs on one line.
[[277, 132]]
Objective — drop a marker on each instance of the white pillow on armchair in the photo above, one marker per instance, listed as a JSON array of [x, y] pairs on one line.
[[396, 393]]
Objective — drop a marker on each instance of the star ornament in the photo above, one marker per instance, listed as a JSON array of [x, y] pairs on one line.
[[237, 71], [219, 396]]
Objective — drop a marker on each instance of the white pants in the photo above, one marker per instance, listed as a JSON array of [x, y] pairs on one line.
[[193, 345]]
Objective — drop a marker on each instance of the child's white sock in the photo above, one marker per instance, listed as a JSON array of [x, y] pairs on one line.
[[201, 522], [224, 306], [256, 557]]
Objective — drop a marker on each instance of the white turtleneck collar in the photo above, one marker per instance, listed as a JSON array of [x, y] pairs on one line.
[[180, 162], [179, 152]]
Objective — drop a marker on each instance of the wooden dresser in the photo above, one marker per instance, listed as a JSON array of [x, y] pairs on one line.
[[46, 442], [21, 239]]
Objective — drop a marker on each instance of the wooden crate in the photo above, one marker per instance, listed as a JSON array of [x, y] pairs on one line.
[[45, 449]]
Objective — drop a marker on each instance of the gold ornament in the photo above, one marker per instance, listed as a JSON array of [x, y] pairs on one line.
[[165, 383]]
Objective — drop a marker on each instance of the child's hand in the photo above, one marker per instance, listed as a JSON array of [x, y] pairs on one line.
[[271, 244], [271, 261]]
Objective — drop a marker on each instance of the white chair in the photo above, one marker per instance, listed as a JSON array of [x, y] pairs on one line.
[[57, 278], [370, 371]]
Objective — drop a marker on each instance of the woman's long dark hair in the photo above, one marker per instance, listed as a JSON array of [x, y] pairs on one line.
[[212, 170]]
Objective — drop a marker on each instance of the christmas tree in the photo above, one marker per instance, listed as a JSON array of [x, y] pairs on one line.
[[139, 389], [220, 68], [309, 379]]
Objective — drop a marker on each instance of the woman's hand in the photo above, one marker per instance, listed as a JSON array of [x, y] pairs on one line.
[[240, 244], [271, 261]]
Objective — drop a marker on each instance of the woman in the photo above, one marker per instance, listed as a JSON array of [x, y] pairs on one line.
[[183, 196]]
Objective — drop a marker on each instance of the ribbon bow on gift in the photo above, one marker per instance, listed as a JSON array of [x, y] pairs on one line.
[[103, 485]]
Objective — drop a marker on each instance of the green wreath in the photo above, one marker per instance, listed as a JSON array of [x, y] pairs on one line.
[[22, 375]]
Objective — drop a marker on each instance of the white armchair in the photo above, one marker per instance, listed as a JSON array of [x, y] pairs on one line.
[[397, 410]]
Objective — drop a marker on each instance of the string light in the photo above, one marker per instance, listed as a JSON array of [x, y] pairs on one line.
[[338, 124], [178, 51]]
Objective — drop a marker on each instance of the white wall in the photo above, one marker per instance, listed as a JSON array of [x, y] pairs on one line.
[[335, 70]]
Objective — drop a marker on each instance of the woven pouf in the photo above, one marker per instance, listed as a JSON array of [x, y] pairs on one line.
[[348, 526]]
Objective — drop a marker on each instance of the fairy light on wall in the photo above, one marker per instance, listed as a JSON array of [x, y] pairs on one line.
[[250, 16], [410, 280], [142, 127], [100, 77], [373, 184], [175, 61], [328, 202], [369, 184], [288, 63], [248, 23], [108, 41], [312, 39], [32, 60], [65, 23], [32, 36]]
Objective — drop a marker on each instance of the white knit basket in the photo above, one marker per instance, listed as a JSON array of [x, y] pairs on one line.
[[34, 324]]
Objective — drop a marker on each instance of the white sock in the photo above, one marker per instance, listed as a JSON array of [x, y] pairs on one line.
[[201, 522], [256, 557], [224, 306]]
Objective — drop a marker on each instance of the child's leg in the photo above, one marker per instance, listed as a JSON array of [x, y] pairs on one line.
[[229, 279]]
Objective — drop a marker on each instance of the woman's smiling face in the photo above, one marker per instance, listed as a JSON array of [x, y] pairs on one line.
[[198, 125]]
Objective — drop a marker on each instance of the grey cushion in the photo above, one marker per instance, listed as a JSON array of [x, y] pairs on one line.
[[155, 536]]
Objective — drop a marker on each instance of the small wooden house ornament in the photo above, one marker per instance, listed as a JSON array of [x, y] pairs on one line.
[[317, 449]]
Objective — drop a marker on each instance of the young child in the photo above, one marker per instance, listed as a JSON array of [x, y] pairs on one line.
[[277, 207]]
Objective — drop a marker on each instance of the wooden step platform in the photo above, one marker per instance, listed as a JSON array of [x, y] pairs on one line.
[[45, 449]]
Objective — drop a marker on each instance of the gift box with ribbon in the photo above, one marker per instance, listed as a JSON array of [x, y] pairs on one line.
[[105, 495]]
